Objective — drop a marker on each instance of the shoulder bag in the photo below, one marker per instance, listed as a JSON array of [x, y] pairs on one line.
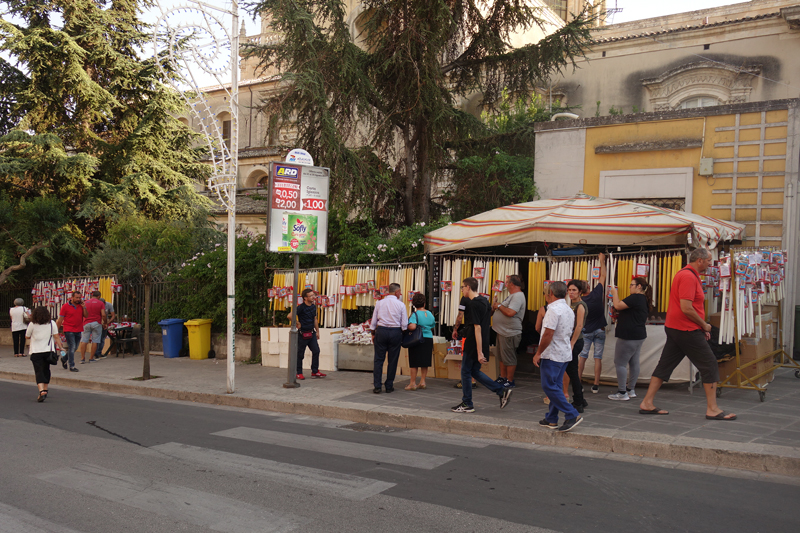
[[412, 338], [52, 357]]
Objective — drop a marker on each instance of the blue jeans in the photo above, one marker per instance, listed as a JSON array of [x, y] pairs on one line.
[[99, 351], [471, 368], [387, 343], [598, 337], [73, 340], [553, 385]]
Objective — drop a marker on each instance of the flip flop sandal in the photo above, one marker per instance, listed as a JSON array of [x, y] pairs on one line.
[[721, 416], [654, 411]]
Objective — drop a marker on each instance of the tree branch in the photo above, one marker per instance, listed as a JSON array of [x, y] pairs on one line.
[[22, 260]]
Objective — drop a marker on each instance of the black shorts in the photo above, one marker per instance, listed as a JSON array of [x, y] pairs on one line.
[[691, 344]]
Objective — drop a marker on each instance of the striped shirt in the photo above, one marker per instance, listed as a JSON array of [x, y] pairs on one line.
[[389, 313]]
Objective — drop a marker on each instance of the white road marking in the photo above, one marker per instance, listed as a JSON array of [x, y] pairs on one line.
[[13, 520], [332, 483], [179, 503], [355, 450]]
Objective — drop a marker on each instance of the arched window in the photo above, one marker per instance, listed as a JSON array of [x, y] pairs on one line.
[[698, 101], [225, 125], [700, 84]]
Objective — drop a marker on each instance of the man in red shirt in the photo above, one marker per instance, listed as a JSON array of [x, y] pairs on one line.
[[687, 336], [71, 318], [93, 322]]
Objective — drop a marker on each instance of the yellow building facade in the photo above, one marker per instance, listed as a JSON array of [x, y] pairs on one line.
[[736, 162]]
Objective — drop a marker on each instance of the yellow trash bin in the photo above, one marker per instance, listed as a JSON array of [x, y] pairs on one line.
[[199, 337]]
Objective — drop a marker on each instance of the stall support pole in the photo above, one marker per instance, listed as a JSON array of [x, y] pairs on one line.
[[291, 379]]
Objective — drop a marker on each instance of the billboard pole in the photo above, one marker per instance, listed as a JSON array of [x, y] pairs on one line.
[[291, 379]]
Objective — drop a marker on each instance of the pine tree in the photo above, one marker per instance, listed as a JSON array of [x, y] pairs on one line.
[[85, 82], [383, 109]]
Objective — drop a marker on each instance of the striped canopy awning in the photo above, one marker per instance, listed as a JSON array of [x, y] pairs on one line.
[[581, 220]]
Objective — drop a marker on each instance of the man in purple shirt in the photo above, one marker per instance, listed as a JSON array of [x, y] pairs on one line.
[[389, 320]]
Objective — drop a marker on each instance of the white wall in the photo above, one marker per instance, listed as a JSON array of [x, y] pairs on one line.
[[560, 157]]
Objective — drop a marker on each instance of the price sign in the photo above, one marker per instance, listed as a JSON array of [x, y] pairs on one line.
[[298, 217], [315, 205]]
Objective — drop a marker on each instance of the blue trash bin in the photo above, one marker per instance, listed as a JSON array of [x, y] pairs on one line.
[[172, 333]]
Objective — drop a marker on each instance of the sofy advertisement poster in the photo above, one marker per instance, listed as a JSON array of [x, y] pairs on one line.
[[298, 214]]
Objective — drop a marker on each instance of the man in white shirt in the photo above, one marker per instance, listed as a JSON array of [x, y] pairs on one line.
[[555, 353], [389, 320]]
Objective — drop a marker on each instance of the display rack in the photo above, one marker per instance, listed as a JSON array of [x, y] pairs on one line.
[[749, 375]]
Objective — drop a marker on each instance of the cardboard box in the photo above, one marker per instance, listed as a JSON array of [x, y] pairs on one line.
[[490, 368], [752, 348], [439, 364], [270, 361], [283, 335]]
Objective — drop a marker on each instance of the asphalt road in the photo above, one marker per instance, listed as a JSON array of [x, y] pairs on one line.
[[98, 462]]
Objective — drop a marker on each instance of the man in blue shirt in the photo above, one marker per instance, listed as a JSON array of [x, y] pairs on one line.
[[308, 326]]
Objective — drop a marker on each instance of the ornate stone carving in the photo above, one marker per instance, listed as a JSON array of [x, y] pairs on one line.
[[726, 83]]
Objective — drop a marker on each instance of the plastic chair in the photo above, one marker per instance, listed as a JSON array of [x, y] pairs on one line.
[[129, 337]]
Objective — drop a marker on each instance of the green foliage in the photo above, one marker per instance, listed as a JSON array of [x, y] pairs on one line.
[[497, 169], [75, 79], [361, 241], [597, 111], [39, 226], [635, 109], [382, 107], [614, 111], [204, 275], [28, 227], [150, 245], [11, 82]]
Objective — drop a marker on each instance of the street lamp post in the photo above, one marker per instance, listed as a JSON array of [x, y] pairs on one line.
[[191, 39]]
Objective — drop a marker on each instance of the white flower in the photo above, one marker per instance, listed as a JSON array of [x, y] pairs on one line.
[[249, 244], [217, 245], [371, 260], [183, 264], [209, 265], [422, 224], [413, 245]]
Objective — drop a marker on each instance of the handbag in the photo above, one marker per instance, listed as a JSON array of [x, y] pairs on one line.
[[412, 338], [307, 334], [26, 319], [52, 357]]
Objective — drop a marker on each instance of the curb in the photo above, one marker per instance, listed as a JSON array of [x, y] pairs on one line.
[[780, 460]]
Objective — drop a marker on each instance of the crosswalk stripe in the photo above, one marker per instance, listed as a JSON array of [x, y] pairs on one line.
[[414, 434], [180, 503], [355, 450], [13, 520], [332, 483]]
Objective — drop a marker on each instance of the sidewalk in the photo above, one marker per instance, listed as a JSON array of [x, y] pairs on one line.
[[765, 438]]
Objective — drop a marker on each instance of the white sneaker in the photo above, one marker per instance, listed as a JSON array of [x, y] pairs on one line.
[[619, 396], [631, 394]]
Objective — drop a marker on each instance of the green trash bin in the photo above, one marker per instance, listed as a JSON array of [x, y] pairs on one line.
[[199, 337]]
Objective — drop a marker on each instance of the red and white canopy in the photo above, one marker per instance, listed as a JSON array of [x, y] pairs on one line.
[[582, 219]]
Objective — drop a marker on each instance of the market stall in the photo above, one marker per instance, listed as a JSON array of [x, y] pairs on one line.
[[345, 298], [638, 239]]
